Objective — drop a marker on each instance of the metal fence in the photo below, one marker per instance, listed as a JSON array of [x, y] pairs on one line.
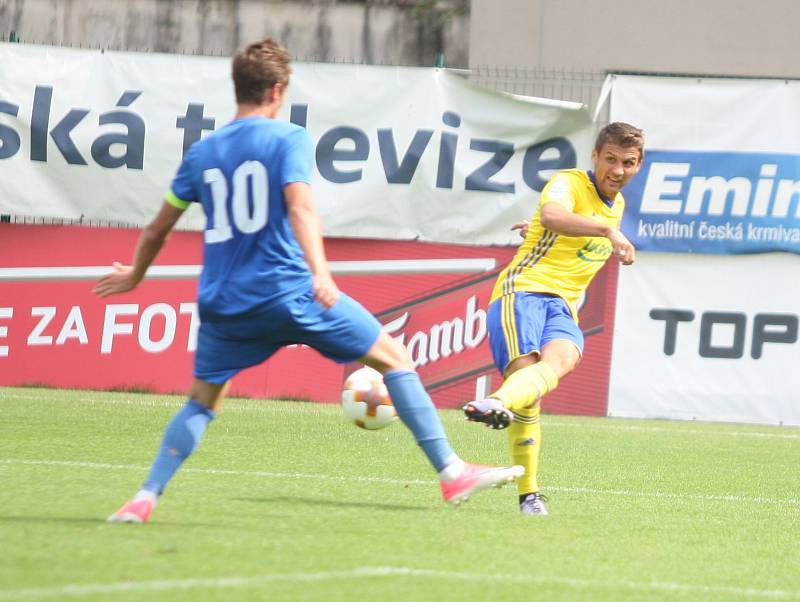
[[574, 85]]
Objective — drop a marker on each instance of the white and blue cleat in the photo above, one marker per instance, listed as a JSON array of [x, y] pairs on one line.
[[490, 412]]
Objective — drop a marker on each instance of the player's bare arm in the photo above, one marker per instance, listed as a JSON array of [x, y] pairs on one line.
[[127, 277], [307, 230], [558, 219], [522, 227]]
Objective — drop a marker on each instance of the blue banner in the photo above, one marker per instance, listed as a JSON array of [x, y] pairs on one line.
[[714, 203]]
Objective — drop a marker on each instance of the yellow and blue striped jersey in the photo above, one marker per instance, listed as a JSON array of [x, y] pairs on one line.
[[547, 262]]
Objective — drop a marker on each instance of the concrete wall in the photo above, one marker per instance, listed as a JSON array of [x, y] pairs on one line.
[[373, 32], [717, 37]]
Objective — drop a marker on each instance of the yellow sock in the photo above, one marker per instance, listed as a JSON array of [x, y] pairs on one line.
[[527, 386], [525, 442]]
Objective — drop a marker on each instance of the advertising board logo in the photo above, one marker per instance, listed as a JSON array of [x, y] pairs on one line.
[[595, 251], [772, 328], [445, 338], [715, 202]]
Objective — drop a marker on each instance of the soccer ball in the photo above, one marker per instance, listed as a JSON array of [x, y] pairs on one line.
[[365, 400]]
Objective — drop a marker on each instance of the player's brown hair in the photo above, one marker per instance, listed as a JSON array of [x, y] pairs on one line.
[[259, 67], [622, 134]]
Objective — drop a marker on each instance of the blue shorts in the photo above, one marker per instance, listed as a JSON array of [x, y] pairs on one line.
[[523, 323], [343, 333]]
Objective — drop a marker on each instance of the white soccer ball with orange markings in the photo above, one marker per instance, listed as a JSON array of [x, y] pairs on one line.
[[365, 400]]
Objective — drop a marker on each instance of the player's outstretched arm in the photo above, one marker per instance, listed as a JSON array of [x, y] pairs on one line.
[[558, 219], [126, 277], [624, 251], [307, 230]]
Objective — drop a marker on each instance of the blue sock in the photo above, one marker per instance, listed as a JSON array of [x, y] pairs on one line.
[[416, 410], [181, 438]]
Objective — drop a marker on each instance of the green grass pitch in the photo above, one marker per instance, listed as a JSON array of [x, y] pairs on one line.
[[286, 501]]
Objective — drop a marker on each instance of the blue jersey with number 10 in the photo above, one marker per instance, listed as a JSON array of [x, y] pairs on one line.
[[251, 259]]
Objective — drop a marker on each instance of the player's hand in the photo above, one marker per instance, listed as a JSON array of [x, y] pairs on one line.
[[522, 227], [121, 280], [623, 249], [325, 290]]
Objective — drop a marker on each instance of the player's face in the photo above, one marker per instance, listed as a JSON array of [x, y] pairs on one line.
[[614, 166]]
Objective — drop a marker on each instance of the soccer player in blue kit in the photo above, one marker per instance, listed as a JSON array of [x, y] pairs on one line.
[[265, 281]]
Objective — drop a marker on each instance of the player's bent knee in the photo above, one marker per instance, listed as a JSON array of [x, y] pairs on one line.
[[567, 368], [563, 365], [209, 395], [388, 354], [562, 356], [519, 363]]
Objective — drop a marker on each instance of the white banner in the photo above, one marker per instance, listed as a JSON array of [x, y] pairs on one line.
[[708, 338], [722, 169], [403, 153]]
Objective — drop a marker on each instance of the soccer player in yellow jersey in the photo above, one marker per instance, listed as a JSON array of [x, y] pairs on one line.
[[532, 317]]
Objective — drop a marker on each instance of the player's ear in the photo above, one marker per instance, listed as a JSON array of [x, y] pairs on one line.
[[641, 160], [276, 93]]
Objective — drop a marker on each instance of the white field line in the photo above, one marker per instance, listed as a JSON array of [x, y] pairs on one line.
[[738, 499], [177, 403], [219, 471], [663, 429], [110, 401], [125, 587], [547, 420]]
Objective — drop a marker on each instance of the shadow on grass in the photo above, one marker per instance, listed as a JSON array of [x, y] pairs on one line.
[[95, 520], [52, 519], [328, 503]]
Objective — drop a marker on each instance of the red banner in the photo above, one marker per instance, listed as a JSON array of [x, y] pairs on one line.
[[446, 335], [57, 333]]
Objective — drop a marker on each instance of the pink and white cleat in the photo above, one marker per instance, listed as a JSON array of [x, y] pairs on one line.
[[475, 478], [135, 511]]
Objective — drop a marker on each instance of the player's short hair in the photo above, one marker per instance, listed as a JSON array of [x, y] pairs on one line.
[[259, 67], [622, 134]]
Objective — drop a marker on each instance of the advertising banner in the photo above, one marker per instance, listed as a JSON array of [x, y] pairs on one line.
[[446, 335], [399, 152], [57, 333], [706, 329], [712, 338], [721, 173]]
